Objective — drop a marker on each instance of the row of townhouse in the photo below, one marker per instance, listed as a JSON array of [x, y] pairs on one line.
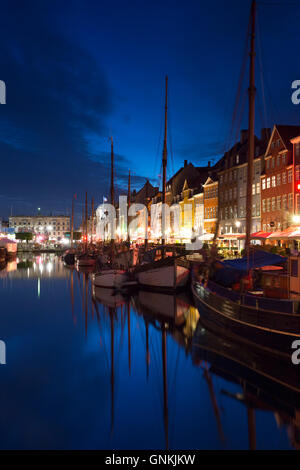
[[213, 198]]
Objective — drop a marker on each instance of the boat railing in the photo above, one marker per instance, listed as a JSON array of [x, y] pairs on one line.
[[257, 302]]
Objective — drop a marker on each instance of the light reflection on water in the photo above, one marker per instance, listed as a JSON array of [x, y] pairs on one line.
[[90, 369]]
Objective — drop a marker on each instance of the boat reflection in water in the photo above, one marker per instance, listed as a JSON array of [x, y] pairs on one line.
[[266, 383]]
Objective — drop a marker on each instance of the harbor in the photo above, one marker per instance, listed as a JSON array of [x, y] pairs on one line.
[[150, 229], [138, 371]]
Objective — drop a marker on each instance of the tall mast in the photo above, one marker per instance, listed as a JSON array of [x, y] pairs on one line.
[[164, 164], [251, 130], [72, 222], [129, 202], [86, 222], [112, 194], [92, 222]]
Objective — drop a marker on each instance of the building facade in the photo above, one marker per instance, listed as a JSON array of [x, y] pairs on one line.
[[54, 227], [277, 180]]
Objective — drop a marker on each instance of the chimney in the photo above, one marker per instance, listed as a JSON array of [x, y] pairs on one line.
[[244, 135], [185, 162], [265, 134], [208, 163]]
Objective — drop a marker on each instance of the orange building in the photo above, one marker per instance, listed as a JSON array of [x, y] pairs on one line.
[[210, 189]]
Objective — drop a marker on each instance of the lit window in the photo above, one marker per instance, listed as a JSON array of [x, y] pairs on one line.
[[253, 189], [257, 188], [290, 176], [273, 181], [279, 179], [263, 184], [268, 183], [284, 178]]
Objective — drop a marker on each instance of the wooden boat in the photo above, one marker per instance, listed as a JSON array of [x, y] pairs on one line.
[[111, 278], [85, 260], [167, 274], [264, 323]]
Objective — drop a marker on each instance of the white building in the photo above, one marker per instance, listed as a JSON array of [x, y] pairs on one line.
[[54, 227]]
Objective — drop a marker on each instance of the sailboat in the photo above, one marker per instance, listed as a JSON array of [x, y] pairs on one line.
[[86, 260], [168, 273], [271, 324], [111, 277]]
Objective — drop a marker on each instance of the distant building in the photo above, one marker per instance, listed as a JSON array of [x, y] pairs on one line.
[[233, 185], [278, 197], [54, 227]]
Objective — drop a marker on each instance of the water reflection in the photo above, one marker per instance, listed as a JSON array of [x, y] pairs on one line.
[[132, 372]]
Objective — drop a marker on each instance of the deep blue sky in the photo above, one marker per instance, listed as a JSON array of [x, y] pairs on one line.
[[78, 71]]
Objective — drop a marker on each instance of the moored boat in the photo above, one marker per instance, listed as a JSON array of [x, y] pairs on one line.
[[169, 273], [110, 278]]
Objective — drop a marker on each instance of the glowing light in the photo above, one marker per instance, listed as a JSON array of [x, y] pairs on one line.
[[296, 219], [238, 224], [64, 241], [49, 228]]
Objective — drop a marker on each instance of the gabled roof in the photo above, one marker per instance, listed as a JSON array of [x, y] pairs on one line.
[[146, 192], [286, 133]]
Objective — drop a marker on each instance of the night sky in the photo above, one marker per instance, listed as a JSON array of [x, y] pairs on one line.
[[77, 72]]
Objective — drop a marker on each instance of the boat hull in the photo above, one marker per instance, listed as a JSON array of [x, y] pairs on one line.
[[86, 262], [254, 327], [111, 278], [171, 277]]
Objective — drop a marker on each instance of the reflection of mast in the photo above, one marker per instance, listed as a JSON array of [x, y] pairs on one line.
[[86, 281], [86, 223], [72, 223], [72, 296], [147, 347], [214, 403], [251, 428], [112, 372], [129, 337], [165, 384], [92, 222]]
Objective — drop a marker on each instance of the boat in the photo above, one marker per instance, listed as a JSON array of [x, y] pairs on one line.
[[69, 258], [109, 276], [271, 324], [86, 259], [168, 273]]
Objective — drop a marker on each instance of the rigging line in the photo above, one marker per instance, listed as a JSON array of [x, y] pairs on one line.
[[241, 80], [261, 73], [242, 110], [159, 139], [170, 137]]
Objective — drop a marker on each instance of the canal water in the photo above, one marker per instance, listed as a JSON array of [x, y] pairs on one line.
[[89, 370]]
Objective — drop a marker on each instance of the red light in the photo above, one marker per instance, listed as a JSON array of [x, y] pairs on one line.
[[298, 186]]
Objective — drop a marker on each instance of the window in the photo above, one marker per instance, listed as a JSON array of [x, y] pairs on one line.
[[253, 210], [268, 182], [273, 204], [253, 189], [284, 202], [297, 172], [278, 160], [290, 200], [264, 205], [274, 181], [278, 179], [237, 159], [297, 149], [230, 194], [278, 143], [284, 178], [290, 175], [257, 188], [263, 184], [278, 203], [221, 179], [234, 192], [268, 204], [273, 162], [257, 209], [268, 164], [284, 159]]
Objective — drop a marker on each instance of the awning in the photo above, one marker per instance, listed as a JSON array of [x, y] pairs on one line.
[[206, 237], [230, 236], [257, 259], [256, 235], [281, 234], [295, 234]]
